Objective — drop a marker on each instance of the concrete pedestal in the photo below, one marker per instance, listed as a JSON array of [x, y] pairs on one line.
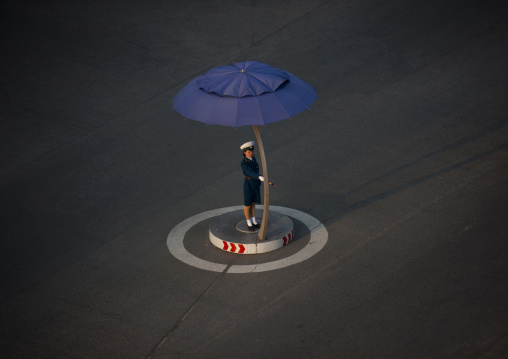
[[230, 233]]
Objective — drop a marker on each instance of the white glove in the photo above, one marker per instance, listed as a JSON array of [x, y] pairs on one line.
[[261, 178]]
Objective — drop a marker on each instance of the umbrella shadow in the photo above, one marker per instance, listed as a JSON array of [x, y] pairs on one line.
[[490, 129], [422, 179], [333, 207]]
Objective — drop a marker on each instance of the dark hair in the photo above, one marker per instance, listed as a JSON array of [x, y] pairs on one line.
[[246, 149]]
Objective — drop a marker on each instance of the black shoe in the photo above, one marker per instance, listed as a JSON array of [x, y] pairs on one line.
[[256, 225], [251, 228]]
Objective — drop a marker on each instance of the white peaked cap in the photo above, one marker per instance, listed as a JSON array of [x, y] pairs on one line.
[[247, 144]]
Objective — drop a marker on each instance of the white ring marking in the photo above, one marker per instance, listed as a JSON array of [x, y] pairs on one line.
[[318, 239]]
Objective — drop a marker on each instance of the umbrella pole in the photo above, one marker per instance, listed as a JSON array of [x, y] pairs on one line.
[[264, 221]]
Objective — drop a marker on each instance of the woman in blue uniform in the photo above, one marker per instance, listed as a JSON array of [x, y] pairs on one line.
[[251, 185]]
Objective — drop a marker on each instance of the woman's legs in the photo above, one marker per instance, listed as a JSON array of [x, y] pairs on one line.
[[253, 210], [250, 211], [246, 212], [250, 215]]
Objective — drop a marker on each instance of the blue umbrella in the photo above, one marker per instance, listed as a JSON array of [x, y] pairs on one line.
[[243, 94]]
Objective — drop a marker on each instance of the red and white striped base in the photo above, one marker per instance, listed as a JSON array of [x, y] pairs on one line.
[[252, 248]]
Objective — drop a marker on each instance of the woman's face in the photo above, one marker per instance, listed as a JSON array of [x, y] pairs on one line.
[[248, 153]]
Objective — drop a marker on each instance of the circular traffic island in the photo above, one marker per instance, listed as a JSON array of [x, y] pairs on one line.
[[230, 233]]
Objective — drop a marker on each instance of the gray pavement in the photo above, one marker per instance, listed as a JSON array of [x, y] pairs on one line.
[[404, 159]]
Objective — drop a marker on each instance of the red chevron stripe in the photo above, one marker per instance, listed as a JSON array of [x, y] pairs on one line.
[[289, 235], [233, 247], [285, 241], [225, 245], [242, 248]]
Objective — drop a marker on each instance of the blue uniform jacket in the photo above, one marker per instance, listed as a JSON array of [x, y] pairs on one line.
[[251, 187], [250, 168]]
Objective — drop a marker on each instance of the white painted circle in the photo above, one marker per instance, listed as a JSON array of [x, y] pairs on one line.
[[318, 239]]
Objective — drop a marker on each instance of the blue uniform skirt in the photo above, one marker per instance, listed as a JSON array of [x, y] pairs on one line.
[[251, 191]]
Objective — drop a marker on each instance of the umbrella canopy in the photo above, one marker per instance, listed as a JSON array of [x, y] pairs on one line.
[[245, 93]]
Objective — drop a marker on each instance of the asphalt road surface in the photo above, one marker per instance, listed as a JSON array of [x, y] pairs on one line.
[[403, 159]]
